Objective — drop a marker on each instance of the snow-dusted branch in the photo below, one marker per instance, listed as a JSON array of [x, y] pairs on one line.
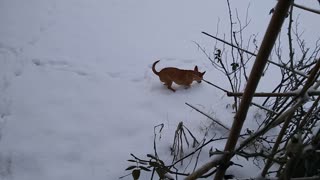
[[307, 116], [285, 114], [287, 117], [228, 92], [205, 168]]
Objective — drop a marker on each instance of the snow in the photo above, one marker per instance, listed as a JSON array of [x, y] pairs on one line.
[[77, 94]]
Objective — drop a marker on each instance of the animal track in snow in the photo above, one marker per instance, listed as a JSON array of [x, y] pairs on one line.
[[39, 62], [58, 63], [11, 65], [114, 74], [81, 73], [5, 166], [145, 77], [126, 76], [169, 59], [5, 49], [137, 79], [61, 65], [188, 60]]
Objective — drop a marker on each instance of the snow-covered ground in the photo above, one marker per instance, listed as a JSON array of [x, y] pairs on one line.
[[77, 94]]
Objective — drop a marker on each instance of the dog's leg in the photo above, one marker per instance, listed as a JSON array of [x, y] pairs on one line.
[[169, 84]]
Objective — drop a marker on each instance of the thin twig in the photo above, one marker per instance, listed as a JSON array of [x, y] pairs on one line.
[[310, 81], [278, 141], [306, 8], [228, 92], [291, 50], [253, 54], [253, 81], [285, 94], [225, 127], [199, 148], [224, 90]]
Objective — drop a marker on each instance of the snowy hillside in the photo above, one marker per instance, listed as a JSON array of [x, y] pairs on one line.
[[77, 94]]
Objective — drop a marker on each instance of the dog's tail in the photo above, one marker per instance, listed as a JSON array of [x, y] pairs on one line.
[[154, 68]]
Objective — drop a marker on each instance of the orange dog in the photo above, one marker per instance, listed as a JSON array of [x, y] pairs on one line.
[[178, 76]]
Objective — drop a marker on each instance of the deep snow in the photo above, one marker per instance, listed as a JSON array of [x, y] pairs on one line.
[[77, 94]]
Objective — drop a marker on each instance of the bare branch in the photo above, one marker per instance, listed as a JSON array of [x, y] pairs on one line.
[[253, 54], [216, 121], [228, 92], [306, 8], [205, 168], [285, 94]]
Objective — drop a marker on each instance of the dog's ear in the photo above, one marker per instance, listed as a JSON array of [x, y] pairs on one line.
[[196, 68], [203, 73]]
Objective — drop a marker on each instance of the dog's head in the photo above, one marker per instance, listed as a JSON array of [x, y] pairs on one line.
[[198, 75]]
